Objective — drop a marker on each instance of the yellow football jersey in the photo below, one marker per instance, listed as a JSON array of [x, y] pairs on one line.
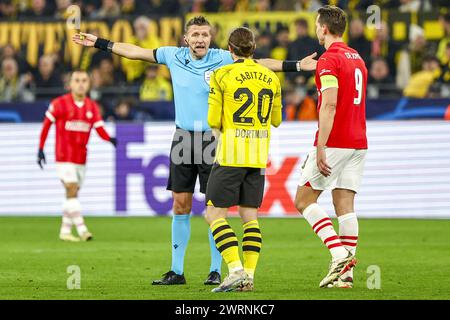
[[244, 100]]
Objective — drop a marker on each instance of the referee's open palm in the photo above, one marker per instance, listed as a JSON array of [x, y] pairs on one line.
[[85, 39]]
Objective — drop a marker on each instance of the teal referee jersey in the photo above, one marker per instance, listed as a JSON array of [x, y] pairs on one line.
[[190, 82]]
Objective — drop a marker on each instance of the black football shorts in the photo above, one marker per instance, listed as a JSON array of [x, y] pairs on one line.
[[231, 186], [187, 161]]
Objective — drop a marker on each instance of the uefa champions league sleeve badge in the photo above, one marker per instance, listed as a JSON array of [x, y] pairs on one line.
[[207, 76]]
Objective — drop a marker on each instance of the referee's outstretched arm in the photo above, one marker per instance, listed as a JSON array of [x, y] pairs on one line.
[[126, 50], [134, 52]]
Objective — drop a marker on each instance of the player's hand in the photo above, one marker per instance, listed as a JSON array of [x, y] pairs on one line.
[[41, 158], [322, 164], [216, 133], [308, 63], [85, 39], [113, 141]]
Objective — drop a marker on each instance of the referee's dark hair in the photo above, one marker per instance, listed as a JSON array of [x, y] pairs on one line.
[[242, 42], [334, 18]]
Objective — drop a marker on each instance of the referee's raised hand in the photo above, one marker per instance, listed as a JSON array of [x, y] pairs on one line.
[[41, 158], [308, 63], [85, 39]]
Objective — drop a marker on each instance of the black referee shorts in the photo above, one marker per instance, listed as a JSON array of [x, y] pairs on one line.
[[191, 155], [231, 186]]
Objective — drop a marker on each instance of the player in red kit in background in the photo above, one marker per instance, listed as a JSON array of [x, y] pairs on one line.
[[74, 115], [337, 161]]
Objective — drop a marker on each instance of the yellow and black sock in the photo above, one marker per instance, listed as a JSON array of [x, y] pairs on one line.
[[251, 246], [226, 243]]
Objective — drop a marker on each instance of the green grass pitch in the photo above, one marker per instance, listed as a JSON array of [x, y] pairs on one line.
[[127, 253]]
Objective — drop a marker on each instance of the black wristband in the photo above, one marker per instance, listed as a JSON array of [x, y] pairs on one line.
[[289, 66], [102, 44], [110, 46]]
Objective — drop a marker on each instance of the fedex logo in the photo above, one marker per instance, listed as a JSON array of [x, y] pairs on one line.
[[126, 166], [154, 183]]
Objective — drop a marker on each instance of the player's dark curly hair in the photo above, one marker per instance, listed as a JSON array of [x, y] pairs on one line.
[[334, 18], [196, 21], [242, 42]]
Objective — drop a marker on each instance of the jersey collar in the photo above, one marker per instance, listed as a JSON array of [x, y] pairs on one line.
[[77, 103], [245, 61], [337, 44]]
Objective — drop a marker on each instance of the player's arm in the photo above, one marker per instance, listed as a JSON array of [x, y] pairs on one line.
[[101, 131], [326, 119], [122, 49], [215, 101], [99, 126], [50, 117], [276, 108], [306, 64]]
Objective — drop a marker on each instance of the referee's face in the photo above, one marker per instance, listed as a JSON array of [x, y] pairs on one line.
[[198, 39]]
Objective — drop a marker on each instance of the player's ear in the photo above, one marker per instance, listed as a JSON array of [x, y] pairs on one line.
[[185, 40]]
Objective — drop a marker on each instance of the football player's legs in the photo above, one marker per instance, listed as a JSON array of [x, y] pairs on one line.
[[70, 175], [351, 174], [81, 174], [204, 171], [181, 229], [222, 192], [312, 183], [343, 199], [67, 224], [182, 202], [251, 239], [251, 195], [182, 178]]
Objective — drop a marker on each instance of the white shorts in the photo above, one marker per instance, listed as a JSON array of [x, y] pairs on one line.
[[70, 172], [346, 169]]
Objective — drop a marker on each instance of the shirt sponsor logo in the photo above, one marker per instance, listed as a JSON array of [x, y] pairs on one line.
[[78, 126]]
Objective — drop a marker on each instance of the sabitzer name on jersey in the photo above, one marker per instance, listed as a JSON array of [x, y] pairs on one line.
[[258, 134], [253, 75]]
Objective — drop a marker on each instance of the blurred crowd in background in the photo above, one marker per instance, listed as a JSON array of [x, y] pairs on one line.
[[114, 8], [417, 67]]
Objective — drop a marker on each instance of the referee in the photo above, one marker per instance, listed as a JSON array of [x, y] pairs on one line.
[[192, 151]]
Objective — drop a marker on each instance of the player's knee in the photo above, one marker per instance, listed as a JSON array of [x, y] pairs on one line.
[[302, 204], [342, 206], [72, 191], [208, 217], [181, 207]]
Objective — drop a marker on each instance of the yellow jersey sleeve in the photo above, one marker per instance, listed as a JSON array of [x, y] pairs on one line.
[[276, 112], [215, 101]]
